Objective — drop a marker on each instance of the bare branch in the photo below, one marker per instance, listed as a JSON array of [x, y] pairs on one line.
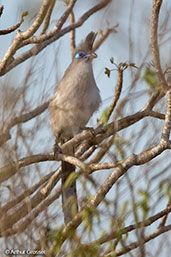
[[48, 16], [38, 21], [25, 194], [13, 28], [153, 100], [145, 223], [117, 93], [154, 44], [9, 170], [72, 34], [1, 10], [20, 119], [104, 35], [8, 220], [49, 38], [134, 245], [164, 218], [110, 181], [167, 123], [20, 36], [18, 228]]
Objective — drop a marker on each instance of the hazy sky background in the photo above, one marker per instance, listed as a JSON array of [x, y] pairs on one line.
[[134, 14]]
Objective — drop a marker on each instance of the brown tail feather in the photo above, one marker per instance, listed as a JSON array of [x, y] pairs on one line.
[[69, 194]]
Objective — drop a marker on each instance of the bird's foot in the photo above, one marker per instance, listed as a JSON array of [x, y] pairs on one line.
[[56, 149], [92, 131]]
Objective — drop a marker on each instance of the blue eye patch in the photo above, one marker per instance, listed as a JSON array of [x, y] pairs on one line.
[[81, 55]]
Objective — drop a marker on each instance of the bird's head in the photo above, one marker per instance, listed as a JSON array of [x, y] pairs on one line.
[[85, 50]]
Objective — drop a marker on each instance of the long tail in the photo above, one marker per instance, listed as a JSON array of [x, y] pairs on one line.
[[69, 194]]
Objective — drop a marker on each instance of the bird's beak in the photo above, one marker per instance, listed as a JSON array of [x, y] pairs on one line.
[[93, 55]]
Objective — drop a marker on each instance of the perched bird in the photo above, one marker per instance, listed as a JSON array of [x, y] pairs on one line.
[[76, 99]]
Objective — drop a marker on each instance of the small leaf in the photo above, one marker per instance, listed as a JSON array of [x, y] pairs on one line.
[[124, 208], [112, 60], [87, 218], [151, 79], [133, 65], [72, 177], [22, 16], [104, 117], [145, 195], [107, 72]]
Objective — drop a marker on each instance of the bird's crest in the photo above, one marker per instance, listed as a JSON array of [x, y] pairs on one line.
[[87, 44]]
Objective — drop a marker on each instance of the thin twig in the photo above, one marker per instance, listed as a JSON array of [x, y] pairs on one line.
[[25, 194], [47, 17], [72, 34], [8, 220], [45, 40], [19, 228], [117, 93], [154, 43], [13, 28], [135, 244], [167, 123], [104, 35], [1, 10], [21, 119]]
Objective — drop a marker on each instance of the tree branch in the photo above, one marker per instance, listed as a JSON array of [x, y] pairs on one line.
[[154, 44], [25, 194], [167, 123], [8, 220], [48, 16], [19, 228], [145, 223], [109, 182], [53, 35], [135, 244], [21, 119]]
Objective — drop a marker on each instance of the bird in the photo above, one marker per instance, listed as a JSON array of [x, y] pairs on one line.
[[76, 99]]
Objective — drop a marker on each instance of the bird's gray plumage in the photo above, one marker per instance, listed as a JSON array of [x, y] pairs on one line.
[[76, 99]]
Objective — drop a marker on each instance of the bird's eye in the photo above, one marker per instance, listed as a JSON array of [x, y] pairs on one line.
[[80, 55]]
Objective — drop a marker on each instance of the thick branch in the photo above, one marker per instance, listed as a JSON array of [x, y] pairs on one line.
[[109, 182], [9, 170]]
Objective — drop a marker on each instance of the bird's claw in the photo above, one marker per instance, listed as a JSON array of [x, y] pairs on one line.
[[92, 131], [57, 149]]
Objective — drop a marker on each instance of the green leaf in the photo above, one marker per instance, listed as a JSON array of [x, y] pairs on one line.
[[133, 65], [145, 195], [58, 239], [72, 177], [104, 117], [165, 189], [112, 60], [107, 72], [123, 208], [151, 79], [87, 218], [144, 204], [119, 144]]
